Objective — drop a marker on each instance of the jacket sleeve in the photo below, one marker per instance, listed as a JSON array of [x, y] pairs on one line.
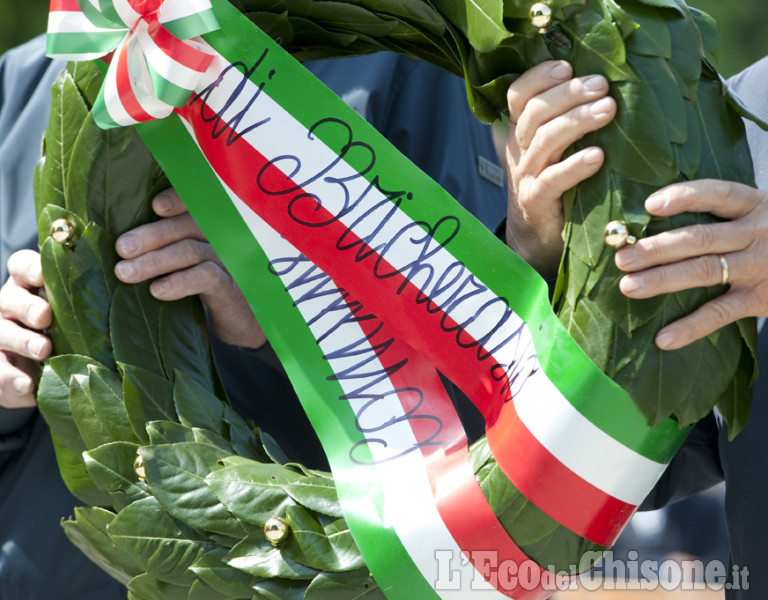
[[695, 468], [25, 81]]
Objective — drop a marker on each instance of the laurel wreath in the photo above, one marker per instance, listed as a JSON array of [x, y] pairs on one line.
[[187, 500]]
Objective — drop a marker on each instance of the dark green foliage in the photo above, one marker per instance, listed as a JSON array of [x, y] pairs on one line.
[[673, 123]]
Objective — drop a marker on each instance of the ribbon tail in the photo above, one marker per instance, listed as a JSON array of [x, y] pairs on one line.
[[188, 19], [72, 36]]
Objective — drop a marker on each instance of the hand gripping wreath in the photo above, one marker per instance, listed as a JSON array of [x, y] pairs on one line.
[[185, 499]]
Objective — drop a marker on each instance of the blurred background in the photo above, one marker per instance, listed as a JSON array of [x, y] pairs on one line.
[[745, 31]]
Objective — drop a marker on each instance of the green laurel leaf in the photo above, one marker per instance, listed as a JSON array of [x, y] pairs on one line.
[[184, 344], [254, 492], [196, 405], [148, 397], [162, 546], [88, 531], [320, 542], [145, 587], [53, 397], [134, 328], [353, 585], [256, 556], [106, 394], [176, 477], [111, 468], [228, 582], [83, 413], [75, 475], [317, 494]]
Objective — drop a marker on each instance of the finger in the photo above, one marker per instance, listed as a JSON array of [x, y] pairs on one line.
[[206, 278], [176, 257], [230, 316], [686, 242], [562, 100], [168, 204], [702, 271], [725, 199], [533, 82], [24, 342], [16, 383], [19, 304], [25, 268], [552, 138], [558, 178], [158, 234], [707, 319], [539, 206]]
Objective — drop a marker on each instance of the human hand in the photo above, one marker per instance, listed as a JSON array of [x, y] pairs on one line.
[[548, 112], [22, 315], [175, 251], [689, 257]]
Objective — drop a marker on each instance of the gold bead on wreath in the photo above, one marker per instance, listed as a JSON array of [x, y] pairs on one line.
[[62, 231], [616, 234], [138, 467], [276, 530], [541, 16]]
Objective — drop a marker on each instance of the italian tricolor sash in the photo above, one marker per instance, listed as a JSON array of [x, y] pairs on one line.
[[369, 279]]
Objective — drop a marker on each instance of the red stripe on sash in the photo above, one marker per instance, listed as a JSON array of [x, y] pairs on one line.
[[458, 497], [553, 487], [393, 299]]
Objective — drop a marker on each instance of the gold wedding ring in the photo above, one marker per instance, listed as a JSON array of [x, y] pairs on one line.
[[723, 269]]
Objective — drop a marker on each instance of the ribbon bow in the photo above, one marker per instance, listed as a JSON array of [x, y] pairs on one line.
[[158, 59]]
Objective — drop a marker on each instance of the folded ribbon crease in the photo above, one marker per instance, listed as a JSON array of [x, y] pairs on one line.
[[157, 57]]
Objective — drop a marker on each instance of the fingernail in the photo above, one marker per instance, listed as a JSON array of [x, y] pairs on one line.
[[602, 107], [162, 203], [127, 244], [665, 340], [594, 84], [560, 72], [655, 202], [625, 258], [35, 272], [124, 269], [35, 347], [593, 156], [34, 314], [22, 385], [159, 289], [631, 284]]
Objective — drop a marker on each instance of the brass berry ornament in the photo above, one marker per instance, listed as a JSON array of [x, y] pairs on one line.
[[62, 231], [541, 16], [138, 467], [616, 234], [276, 531]]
